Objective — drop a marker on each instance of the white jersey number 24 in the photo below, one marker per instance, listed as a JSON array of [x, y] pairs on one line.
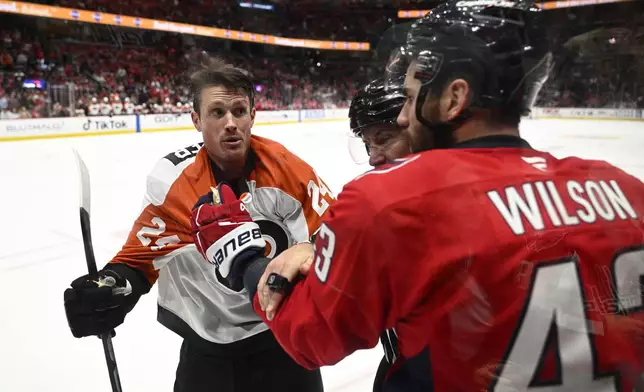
[[160, 242], [555, 308]]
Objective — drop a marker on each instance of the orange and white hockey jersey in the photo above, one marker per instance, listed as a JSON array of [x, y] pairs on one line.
[[285, 197]]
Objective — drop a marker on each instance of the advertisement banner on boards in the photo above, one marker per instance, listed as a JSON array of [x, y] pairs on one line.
[[22, 129], [312, 114], [52, 127], [165, 122], [107, 123], [336, 114], [550, 112], [590, 113], [277, 117], [614, 113], [598, 113]]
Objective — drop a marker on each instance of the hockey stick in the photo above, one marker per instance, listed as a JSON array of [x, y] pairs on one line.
[[85, 202]]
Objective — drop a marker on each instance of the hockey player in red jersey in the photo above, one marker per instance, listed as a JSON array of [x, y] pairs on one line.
[[500, 267]]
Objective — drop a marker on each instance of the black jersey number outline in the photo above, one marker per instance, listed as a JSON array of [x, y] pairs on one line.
[[556, 292]]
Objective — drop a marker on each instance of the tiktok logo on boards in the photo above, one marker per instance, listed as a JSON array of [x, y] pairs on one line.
[[104, 125]]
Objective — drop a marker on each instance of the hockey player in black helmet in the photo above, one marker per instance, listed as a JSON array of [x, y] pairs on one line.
[[375, 135], [478, 251], [471, 66]]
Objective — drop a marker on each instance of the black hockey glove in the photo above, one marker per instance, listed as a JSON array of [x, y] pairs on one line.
[[94, 307]]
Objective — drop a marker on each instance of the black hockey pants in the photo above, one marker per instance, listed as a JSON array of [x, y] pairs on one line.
[[268, 369]]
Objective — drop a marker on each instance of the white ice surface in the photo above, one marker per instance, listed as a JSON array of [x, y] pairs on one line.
[[41, 248]]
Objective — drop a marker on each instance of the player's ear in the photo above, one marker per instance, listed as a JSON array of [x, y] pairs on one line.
[[253, 112], [456, 99], [195, 120]]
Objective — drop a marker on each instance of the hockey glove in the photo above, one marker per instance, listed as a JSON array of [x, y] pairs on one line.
[[94, 307], [225, 234]]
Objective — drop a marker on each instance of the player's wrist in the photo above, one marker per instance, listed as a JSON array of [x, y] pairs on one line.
[[242, 262], [253, 272]]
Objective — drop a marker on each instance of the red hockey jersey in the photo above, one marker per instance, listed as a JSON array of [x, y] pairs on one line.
[[499, 269]]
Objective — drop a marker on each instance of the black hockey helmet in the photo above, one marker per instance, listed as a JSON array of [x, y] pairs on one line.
[[375, 104], [496, 45], [373, 107]]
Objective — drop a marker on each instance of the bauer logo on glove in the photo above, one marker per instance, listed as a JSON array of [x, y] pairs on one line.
[[229, 245], [224, 231]]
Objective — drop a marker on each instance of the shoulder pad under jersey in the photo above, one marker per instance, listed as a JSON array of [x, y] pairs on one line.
[[181, 155]]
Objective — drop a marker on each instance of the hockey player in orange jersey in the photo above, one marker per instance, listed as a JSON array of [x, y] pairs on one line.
[[376, 138], [500, 267], [226, 345]]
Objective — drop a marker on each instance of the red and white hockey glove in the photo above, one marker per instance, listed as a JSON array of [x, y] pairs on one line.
[[224, 232]]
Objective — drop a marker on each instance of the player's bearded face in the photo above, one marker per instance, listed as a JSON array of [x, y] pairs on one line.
[[420, 137], [225, 120]]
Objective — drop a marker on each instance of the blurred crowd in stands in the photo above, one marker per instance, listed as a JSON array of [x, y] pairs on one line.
[[79, 76], [54, 68], [600, 57]]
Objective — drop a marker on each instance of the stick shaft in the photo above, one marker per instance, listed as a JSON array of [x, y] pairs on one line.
[[86, 230]]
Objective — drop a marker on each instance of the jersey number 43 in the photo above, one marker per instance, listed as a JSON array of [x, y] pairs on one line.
[[555, 315]]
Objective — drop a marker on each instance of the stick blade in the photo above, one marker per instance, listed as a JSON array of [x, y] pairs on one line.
[[85, 199]]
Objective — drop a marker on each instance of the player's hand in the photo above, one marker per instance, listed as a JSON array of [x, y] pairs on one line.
[[97, 306], [225, 233], [291, 263]]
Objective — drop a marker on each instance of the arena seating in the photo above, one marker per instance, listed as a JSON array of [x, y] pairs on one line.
[[598, 52]]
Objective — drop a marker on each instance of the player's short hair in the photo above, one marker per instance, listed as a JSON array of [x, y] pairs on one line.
[[215, 71]]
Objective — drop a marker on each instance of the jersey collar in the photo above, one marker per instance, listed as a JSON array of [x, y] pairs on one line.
[[495, 141], [238, 185]]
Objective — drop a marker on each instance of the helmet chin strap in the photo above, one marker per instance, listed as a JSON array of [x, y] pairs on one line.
[[442, 132]]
